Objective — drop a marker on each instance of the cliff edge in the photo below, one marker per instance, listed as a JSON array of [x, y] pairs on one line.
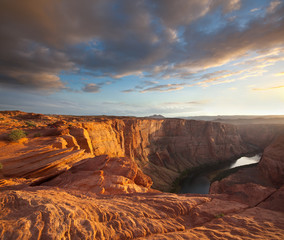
[[84, 178]]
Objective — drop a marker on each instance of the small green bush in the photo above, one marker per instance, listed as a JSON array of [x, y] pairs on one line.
[[30, 124], [16, 134], [220, 215]]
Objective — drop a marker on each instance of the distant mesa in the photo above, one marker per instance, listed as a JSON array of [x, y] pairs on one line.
[[156, 116]]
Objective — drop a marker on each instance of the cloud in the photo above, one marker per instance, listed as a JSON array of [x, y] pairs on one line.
[[128, 90], [41, 103], [183, 12], [269, 88], [174, 13], [216, 76], [190, 103], [279, 74], [140, 86], [266, 58], [41, 39], [273, 5], [165, 108], [164, 88], [31, 81], [91, 88], [227, 6], [121, 75], [232, 41], [149, 83], [33, 67], [254, 9]]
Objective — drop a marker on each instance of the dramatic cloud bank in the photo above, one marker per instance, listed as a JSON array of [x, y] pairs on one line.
[[40, 39], [142, 57]]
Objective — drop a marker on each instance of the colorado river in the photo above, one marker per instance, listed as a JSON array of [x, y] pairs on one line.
[[201, 182]]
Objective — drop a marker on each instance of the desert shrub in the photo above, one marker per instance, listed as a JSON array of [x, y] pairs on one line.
[[1, 119], [30, 124], [219, 215], [1, 166], [16, 134]]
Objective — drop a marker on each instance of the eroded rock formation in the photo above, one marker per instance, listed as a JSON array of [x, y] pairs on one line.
[[258, 185], [162, 148], [104, 175], [52, 213], [84, 178]]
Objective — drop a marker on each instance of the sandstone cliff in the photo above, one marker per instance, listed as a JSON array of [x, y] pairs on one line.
[[104, 175], [258, 185], [80, 193], [260, 136], [162, 148], [271, 165]]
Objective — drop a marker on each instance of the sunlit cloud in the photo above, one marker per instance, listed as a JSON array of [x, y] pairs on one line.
[[167, 108], [273, 5], [91, 88], [140, 86], [218, 77], [279, 74], [254, 9], [268, 88], [48, 41], [125, 74], [72, 48], [164, 88], [128, 90], [186, 103]]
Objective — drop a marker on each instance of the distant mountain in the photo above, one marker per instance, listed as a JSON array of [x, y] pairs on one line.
[[241, 119], [156, 116]]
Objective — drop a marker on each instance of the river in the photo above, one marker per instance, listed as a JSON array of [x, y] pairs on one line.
[[201, 183]]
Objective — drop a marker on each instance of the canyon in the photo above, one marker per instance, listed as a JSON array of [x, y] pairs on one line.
[[86, 177]]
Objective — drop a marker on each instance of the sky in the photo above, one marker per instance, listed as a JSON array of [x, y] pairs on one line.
[[142, 57]]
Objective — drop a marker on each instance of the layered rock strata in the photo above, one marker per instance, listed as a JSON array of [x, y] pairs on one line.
[[104, 175], [52, 213], [162, 148], [260, 185], [80, 197]]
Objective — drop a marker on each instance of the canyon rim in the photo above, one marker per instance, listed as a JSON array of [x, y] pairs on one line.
[[105, 178], [113, 113]]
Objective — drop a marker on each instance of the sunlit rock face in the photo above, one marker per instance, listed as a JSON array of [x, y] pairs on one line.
[[104, 175], [260, 185], [271, 165], [164, 148], [55, 213], [90, 178]]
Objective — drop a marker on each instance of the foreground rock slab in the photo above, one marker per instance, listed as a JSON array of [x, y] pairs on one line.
[[45, 213], [104, 175]]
